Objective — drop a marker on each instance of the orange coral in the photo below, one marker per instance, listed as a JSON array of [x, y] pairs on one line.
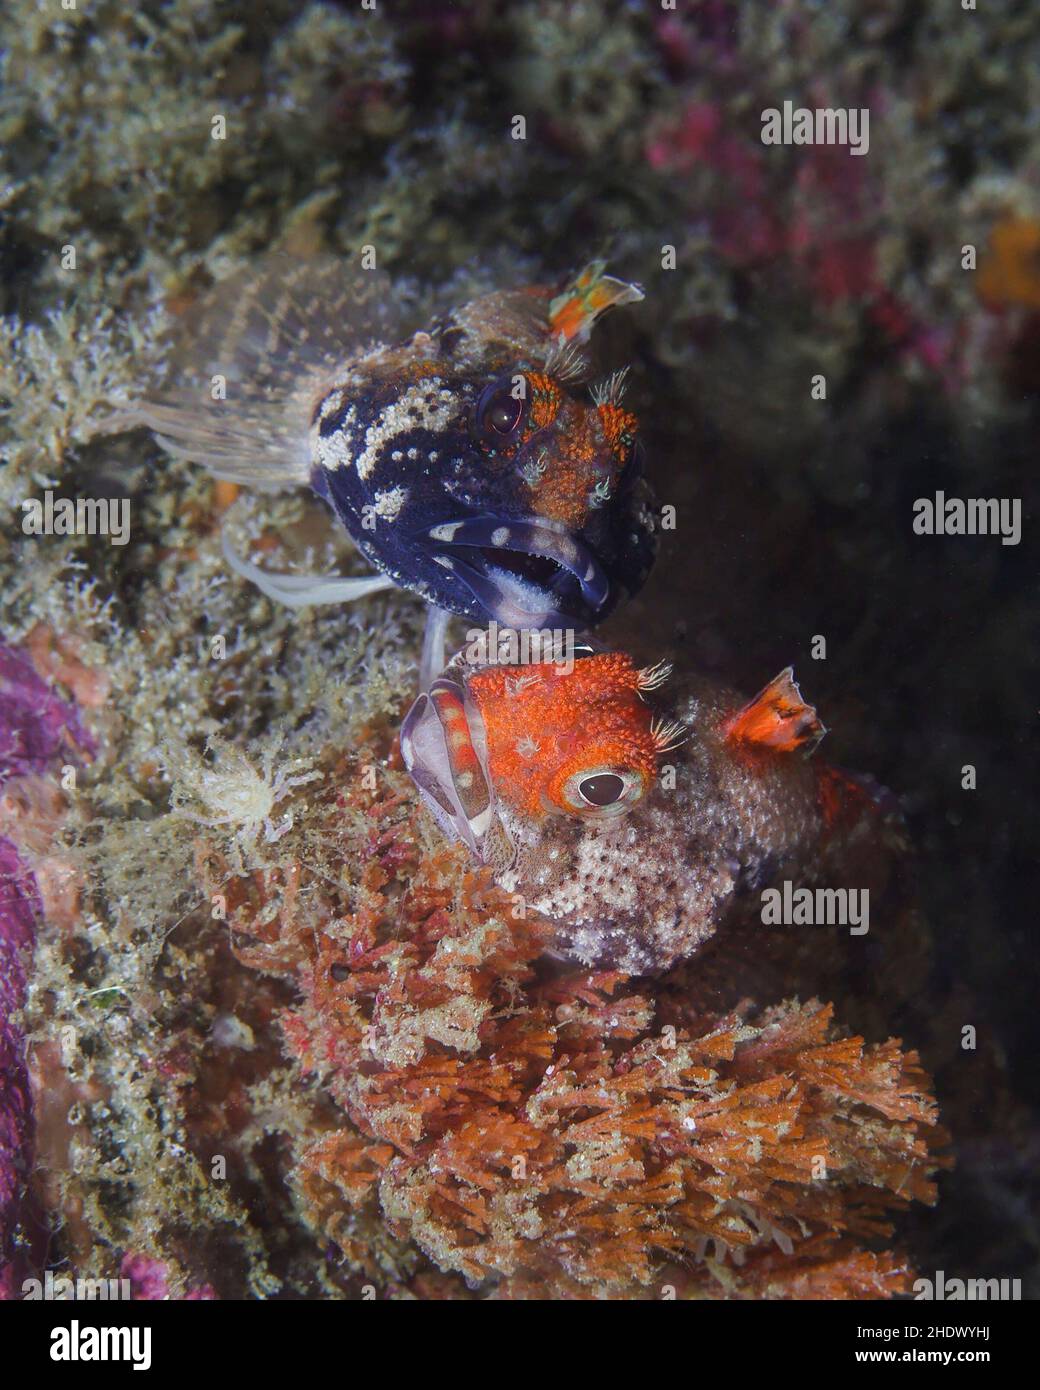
[[540, 1132], [58, 657]]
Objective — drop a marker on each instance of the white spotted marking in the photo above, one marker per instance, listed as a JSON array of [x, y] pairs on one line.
[[332, 402], [500, 535], [407, 413], [336, 450], [389, 503]]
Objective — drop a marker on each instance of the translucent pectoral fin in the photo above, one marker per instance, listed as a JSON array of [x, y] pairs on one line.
[[248, 362], [446, 757], [778, 717], [304, 590], [432, 662]]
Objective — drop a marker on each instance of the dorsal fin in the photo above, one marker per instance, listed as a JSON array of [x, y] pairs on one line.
[[778, 717], [573, 313]]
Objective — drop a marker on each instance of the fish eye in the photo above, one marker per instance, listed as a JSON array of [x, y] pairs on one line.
[[500, 413], [602, 792], [631, 455], [603, 789], [503, 414]]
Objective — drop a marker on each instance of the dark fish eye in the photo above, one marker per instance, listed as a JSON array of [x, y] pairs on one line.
[[500, 412], [603, 789], [503, 413], [633, 456]]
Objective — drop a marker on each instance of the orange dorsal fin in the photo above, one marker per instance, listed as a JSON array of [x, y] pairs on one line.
[[573, 313], [778, 718]]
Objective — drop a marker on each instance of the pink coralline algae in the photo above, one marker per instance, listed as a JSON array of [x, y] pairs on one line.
[[823, 220], [150, 1281], [35, 726], [819, 229], [746, 227], [16, 931]]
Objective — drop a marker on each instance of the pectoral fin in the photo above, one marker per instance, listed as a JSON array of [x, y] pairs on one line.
[[304, 590], [443, 745]]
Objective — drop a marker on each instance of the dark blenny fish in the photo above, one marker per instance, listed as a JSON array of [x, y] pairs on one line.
[[470, 461]]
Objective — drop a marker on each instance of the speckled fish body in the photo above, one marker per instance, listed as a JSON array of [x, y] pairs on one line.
[[472, 461], [638, 823]]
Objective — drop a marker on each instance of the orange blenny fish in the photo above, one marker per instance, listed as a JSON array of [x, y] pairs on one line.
[[638, 831]]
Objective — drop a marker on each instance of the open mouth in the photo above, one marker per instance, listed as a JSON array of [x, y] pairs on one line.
[[525, 572]]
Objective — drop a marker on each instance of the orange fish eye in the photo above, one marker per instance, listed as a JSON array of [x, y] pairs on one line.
[[603, 792]]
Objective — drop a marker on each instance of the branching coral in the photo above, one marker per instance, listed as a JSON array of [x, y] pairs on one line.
[[460, 1110], [537, 1129]]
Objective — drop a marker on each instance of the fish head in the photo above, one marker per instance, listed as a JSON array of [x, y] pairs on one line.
[[570, 738], [472, 465], [604, 841], [570, 756]]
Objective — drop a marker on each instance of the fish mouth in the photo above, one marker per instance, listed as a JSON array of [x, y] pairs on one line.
[[526, 572]]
